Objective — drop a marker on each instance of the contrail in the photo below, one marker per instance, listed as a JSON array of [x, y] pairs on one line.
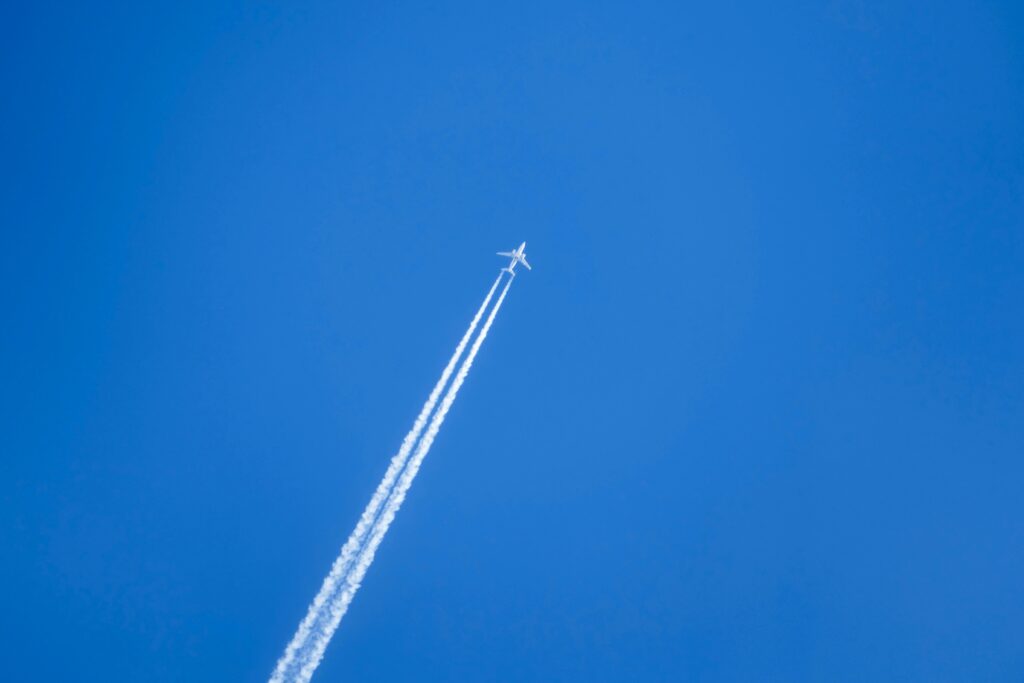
[[351, 548], [355, 576]]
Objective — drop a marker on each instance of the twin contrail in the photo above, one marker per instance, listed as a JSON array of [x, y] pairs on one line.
[[307, 646]]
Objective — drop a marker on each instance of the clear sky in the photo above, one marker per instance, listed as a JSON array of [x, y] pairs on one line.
[[756, 414]]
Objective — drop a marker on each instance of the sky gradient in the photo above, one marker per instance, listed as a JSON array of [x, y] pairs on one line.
[[757, 412]]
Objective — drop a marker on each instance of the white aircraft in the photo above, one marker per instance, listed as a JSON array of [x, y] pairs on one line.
[[517, 256]]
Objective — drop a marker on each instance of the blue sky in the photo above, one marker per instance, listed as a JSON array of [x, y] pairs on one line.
[[756, 414]]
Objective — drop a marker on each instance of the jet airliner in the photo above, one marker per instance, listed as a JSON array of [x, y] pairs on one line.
[[517, 256]]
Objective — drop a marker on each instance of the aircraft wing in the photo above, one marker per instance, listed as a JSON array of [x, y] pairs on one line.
[[506, 253], [523, 259]]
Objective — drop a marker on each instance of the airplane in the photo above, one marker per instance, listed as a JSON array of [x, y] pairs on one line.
[[517, 256]]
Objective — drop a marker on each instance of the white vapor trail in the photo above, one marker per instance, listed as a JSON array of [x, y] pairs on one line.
[[350, 550], [353, 579]]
